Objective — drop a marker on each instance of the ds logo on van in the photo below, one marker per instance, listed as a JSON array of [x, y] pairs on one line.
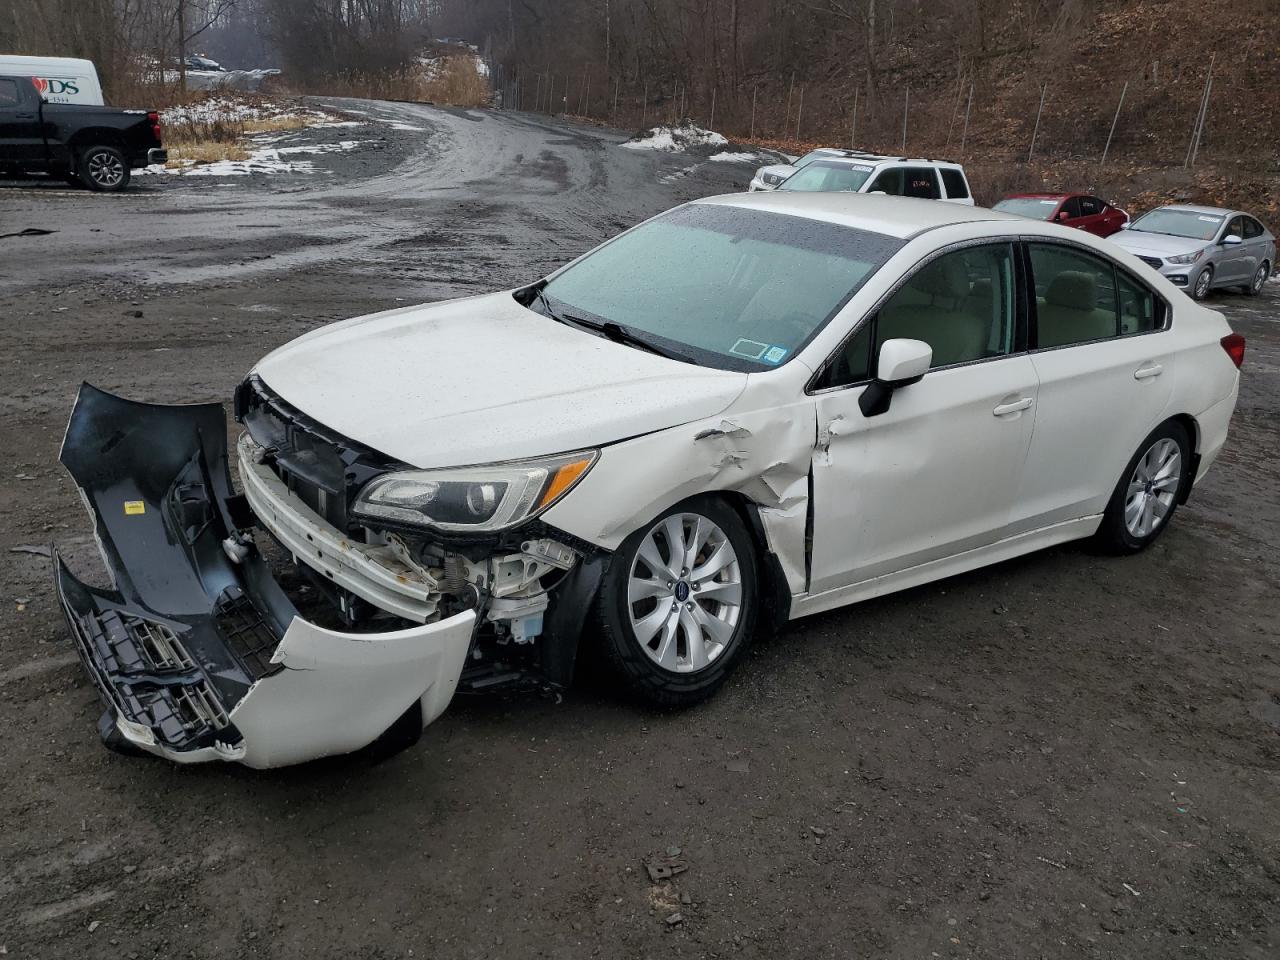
[[54, 86]]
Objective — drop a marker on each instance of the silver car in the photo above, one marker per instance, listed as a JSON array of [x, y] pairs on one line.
[[1203, 248]]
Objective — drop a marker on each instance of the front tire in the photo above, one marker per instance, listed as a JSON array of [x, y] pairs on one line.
[[1203, 281], [1260, 277], [1149, 491], [104, 169], [678, 604]]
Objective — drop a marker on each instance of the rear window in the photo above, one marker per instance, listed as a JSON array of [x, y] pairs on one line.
[[953, 180]]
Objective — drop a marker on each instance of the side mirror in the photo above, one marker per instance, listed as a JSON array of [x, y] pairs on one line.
[[1063, 215], [1231, 240], [902, 363]]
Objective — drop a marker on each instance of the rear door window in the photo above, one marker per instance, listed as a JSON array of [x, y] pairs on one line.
[[954, 181], [921, 182], [1252, 228], [1076, 299]]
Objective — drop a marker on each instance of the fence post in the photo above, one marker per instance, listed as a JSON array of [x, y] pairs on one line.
[[969, 106], [754, 91], [1193, 146], [790, 91], [799, 113], [853, 127], [906, 105], [1044, 87], [1114, 121]]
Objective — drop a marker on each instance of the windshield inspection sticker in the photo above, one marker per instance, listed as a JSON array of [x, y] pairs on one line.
[[1211, 219], [751, 349], [774, 354]]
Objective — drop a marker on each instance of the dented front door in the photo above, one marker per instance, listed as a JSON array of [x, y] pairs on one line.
[[933, 476]]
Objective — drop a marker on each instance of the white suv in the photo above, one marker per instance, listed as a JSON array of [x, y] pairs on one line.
[[847, 171]]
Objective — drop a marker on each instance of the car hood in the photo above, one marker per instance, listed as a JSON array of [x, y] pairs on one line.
[[484, 379], [777, 169], [1156, 244]]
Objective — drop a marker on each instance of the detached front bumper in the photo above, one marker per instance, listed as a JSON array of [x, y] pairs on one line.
[[197, 652]]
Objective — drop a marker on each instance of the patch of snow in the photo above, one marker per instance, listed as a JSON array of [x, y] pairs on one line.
[[672, 138], [728, 156], [397, 125], [231, 110]]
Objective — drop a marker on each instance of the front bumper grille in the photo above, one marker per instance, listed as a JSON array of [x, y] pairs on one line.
[[322, 468], [1155, 262]]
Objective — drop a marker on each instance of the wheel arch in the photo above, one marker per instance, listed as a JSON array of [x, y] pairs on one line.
[[775, 594], [1189, 423]]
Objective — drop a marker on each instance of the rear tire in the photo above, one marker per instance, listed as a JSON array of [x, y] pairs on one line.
[[1260, 277], [675, 622], [103, 169], [1148, 492]]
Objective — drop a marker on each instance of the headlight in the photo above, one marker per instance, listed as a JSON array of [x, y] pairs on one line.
[[472, 499], [1186, 257]]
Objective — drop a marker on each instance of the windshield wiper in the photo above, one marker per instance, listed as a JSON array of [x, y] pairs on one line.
[[620, 334], [612, 331]]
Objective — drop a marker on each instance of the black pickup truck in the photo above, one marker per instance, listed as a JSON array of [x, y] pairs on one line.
[[96, 146]]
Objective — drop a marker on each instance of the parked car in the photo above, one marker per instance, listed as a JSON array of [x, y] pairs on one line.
[[204, 65], [748, 409], [96, 146], [1079, 210], [60, 79], [1203, 248], [771, 176], [926, 179]]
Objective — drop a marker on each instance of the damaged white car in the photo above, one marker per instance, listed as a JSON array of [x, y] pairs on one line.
[[748, 409]]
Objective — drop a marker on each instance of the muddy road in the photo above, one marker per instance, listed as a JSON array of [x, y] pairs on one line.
[[1062, 756]]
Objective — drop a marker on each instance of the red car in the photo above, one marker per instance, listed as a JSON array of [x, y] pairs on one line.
[[1077, 210]]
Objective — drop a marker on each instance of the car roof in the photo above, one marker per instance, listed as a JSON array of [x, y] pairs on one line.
[[1193, 208], [900, 217], [1043, 196], [859, 156]]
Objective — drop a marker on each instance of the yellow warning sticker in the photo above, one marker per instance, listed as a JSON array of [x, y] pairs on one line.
[[134, 508]]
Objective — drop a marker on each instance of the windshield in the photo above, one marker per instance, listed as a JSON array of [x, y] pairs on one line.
[[829, 176], [1033, 207], [1179, 223], [808, 158], [727, 286]]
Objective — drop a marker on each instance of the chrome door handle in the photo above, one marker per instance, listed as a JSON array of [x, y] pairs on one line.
[[1004, 409], [1147, 371]]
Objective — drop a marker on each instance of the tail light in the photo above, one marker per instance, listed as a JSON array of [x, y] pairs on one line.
[[155, 124], [1233, 343]]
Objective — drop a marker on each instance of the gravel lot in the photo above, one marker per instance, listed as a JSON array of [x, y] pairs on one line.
[[1062, 756]]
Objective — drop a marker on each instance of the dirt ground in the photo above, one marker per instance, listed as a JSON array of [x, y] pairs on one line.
[[1061, 756]]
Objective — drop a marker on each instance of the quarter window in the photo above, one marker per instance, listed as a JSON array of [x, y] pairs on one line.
[[955, 183]]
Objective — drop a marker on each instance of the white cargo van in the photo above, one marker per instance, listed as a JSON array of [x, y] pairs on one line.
[[59, 79]]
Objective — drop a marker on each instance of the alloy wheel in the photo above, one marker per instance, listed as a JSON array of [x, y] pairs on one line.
[[1202, 284], [1152, 488], [105, 168], [684, 592], [1260, 277]]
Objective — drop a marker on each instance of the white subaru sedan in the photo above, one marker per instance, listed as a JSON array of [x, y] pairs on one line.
[[746, 410]]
